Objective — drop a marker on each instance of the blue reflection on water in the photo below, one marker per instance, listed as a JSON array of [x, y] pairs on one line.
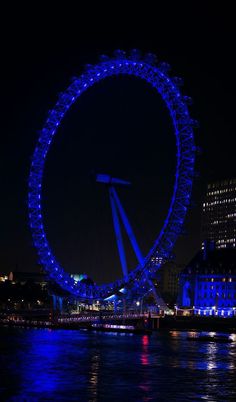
[[44, 365]]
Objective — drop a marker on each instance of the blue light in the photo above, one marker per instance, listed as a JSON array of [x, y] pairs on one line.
[[223, 312], [183, 128]]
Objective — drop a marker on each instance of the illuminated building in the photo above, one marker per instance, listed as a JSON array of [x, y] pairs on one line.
[[156, 260], [79, 277], [3, 277], [22, 278], [208, 283], [219, 214]]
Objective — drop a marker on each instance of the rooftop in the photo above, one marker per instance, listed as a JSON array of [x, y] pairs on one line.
[[221, 261]]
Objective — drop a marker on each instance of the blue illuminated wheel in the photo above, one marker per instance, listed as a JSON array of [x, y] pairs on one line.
[[156, 74]]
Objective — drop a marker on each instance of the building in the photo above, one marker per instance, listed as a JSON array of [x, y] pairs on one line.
[[22, 278], [168, 281], [219, 214], [24, 291], [3, 277], [208, 283]]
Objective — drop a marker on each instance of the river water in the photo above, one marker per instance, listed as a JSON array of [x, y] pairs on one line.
[[69, 365]]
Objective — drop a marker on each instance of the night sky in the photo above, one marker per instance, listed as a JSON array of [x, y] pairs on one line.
[[119, 126]]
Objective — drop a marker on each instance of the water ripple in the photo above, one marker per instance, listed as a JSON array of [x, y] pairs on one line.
[[46, 365]]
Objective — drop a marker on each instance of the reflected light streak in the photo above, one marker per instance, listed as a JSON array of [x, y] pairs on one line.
[[211, 356], [145, 384], [93, 377], [144, 355]]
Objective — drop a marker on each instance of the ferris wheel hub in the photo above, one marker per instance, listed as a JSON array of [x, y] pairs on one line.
[[107, 179]]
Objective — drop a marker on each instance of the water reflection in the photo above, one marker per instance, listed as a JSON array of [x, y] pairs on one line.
[[74, 365], [94, 377], [211, 361], [144, 354], [144, 357]]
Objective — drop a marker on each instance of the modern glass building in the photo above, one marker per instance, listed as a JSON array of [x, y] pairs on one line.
[[208, 283], [219, 214]]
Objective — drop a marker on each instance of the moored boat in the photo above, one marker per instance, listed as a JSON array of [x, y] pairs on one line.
[[106, 327]]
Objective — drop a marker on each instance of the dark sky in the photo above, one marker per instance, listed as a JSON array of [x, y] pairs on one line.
[[121, 127]]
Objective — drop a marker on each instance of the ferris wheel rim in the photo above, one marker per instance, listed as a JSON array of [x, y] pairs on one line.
[[176, 103]]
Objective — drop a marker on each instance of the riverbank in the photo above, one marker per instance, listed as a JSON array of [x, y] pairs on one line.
[[154, 323], [198, 323]]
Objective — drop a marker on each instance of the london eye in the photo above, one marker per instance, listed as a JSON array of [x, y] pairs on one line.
[[157, 75]]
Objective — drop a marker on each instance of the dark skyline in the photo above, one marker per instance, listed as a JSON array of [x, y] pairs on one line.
[[119, 114]]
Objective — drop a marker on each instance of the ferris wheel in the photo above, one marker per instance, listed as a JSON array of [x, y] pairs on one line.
[[157, 75]]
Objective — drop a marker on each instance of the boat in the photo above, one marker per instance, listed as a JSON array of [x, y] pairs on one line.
[[105, 327], [210, 338]]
